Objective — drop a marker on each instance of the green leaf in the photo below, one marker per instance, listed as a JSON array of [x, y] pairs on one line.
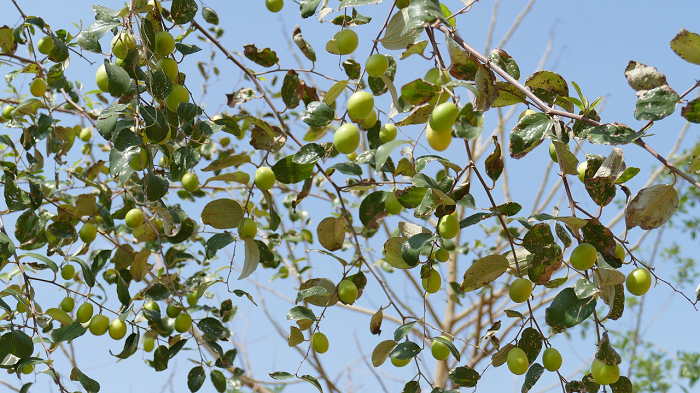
[[691, 112], [18, 343], [613, 134], [623, 385], [384, 151], [532, 376], [331, 233], [355, 3], [656, 103], [183, 11], [251, 260], [89, 384], [318, 114], [131, 344], [418, 115], [196, 376], [222, 214], [218, 380], [88, 274], [352, 68], [547, 85], [403, 330], [160, 358], [234, 160], [292, 89], [67, 333], [308, 7], [212, 327], [395, 36], [418, 92], [216, 243], [411, 387], [567, 310], [687, 45], [281, 375], [287, 172], [118, 79], [348, 168], [405, 350], [494, 162], [210, 16], [464, 376], [652, 207], [606, 353], [381, 352], [422, 13], [453, 350], [155, 186], [414, 49], [484, 271], [263, 57], [300, 313], [7, 248], [508, 95], [313, 381], [505, 62], [531, 343], [528, 134], [393, 255], [123, 292], [308, 154], [411, 247]]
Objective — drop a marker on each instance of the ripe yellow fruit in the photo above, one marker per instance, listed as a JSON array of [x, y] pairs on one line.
[[38, 87], [517, 361], [360, 104], [439, 141], [520, 290]]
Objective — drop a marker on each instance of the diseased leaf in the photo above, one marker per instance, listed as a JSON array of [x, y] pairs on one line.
[[484, 271], [687, 45], [652, 207]]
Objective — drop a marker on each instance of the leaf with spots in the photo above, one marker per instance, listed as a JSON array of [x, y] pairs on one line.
[[264, 57]]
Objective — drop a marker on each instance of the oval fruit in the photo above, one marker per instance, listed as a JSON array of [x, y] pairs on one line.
[[604, 374], [183, 322], [620, 252], [517, 361], [264, 178], [583, 257], [190, 182], [165, 43], [370, 120], [177, 95], [247, 228], [346, 41], [448, 226], [581, 168], [439, 350], [88, 233], [376, 65], [84, 312], [388, 133], [45, 45], [526, 112], [442, 255], [117, 329], [139, 161], [638, 281], [67, 272], [551, 359], [99, 324], [432, 282], [67, 304], [392, 204], [347, 291], [443, 117], [152, 306], [172, 310], [520, 290], [346, 138], [38, 87], [439, 141], [192, 298], [274, 5], [134, 218], [169, 67], [360, 104], [122, 43], [101, 79], [85, 134], [400, 362], [319, 342], [149, 343]]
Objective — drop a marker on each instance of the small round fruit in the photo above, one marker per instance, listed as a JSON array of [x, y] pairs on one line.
[[352, 156], [360, 104], [638, 281], [165, 43], [183, 322], [192, 298], [551, 359], [274, 5], [99, 324], [553, 152], [520, 290], [319, 342], [149, 343], [400, 362], [7, 111], [139, 161], [434, 76], [581, 168], [177, 95], [347, 291], [169, 67], [45, 45], [432, 282], [346, 41], [85, 134], [28, 369], [67, 304], [439, 141], [442, 255], [439, 350], [443, 117], [84, 312], [38, 87], [388, 132], [583, 257], [247, 228], [377, 65], [152, 306], [172, 310], [169, 325], [620, 252], [190, 182], [448, 226], [517, 361], [101, 79], [346, 138], [225, 141], [526, 112], [67, 272], [370, 120], [134, 218], [117, 329], [403, 3], [264, 178], [392, 204], [122, 43], [88, 233], [604, 374]]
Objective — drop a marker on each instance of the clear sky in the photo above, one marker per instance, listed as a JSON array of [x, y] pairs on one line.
[[587, 42]]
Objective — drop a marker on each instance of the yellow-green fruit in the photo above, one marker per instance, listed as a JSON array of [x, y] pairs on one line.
[[99, 324], [149, 343], [352, 156], [443, 116], [169, 68], [377, 65], [190, 182], [432, 282], [247, 228], [400, 362], [7, 111], [439, 141], [360, 104], [225, 141], [392, 204], [517, 361], [264, 178], [67, 304], [192, 298], [583, 257], [403, 3], [581, 168], [346, 138], [134, 218], [604, 374], [448, 226], [28, 369], [85, 134], [117, 329], [620, 252], [172, 310], [274, 5], [520, 290], [638, 281], [183, 322], [439, 350], [122, 43], [45, 45], [88, 233], [152, 306], [438, 78], [347, 291], [67, 272], [388, 133], [177, 95], [84, 312], [370, 120], [442, 255], [101, 79], [526, 112], [319, 342], [551, 359], [165, 43], [346, 41], [139, 161], [38, 87]]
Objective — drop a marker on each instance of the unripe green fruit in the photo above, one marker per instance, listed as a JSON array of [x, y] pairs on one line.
[[439, 350], [134, 218], [370, 120], [520, 290], [84, 312], [620, 252], [177, 95], [433, 76], [247, 228], [604, 374], [551, 359], [347, 291], [67, 304], [169, 67], [139, 161], [439, 141], [183, 322], [38, 87], [352, 156], [274, 5], [264, 178], [400, 362], [122, 43], [442, 255], [432, 282], [7, 111], [152, 306], [346, 41], [517, 361], [388, 133], [346, 138], [581, 168], [526, 112], [553, 152], [45, 45], [319, 342], [164, 43], [85, 134], [443, 117], [377, 65], [360, 104], [190, 182], [192, 298], [403, 3], [448, 226], [67, 272], [28, 369], [583, 257], [149, 343], [99, 324], [638, 281], [392, 204], [117, 329], [88, 233], [173, 311], [101, 79]]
